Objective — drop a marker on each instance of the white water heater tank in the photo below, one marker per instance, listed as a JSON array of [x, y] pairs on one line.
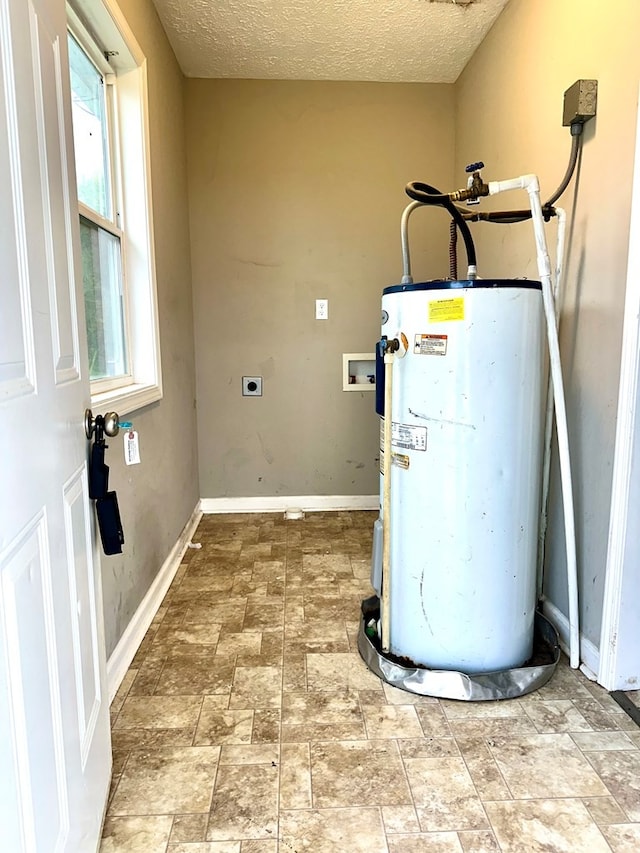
[[465, 471]]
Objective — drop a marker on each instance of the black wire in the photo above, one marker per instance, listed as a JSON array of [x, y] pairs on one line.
[[510, 217], [576, 142]]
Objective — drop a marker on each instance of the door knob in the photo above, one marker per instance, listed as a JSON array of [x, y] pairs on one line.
[[108, 424]]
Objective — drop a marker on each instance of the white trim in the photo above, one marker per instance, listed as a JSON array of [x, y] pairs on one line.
[[279, 503], [608, 674], [127, 399], [589, 653], [121, 657]]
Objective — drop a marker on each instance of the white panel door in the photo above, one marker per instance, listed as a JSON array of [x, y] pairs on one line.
[[55, 755]]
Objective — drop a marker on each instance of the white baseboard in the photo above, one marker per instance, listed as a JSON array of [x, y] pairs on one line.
[[121, 657], [278, 503], [589, 653]]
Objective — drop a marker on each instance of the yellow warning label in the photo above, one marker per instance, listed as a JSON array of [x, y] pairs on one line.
[[442, 310], [400, 460]]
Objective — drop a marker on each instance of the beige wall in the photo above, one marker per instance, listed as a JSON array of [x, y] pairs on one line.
[[509, 114], [157, 497], [295, 193]]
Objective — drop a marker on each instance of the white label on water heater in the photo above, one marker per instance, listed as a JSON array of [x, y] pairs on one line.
[[430, 345], [409, 437], [406, 436]]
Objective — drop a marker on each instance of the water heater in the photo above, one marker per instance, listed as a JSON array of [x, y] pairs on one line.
[[465, 468]]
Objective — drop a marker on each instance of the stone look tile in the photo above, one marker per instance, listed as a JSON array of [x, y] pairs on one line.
[[266, 726], [546, 766], [538, 826], [481, 710], [206, 847], [245, 803], [239, 644], [433, 721], [492, 727], [478, 842], [319, 637], [605, 810], [321, 716], [256, 687], [253, 753], [294, 677], [147, 678], [220, 726], [484, 772], [195, 676], [634, 737], [332, 830], [259, 847], [602, 741], [339, 672], [188, 828], [166, 781], [203, 634], [295, 776], [400, 819], [147, 834], [247, 701], [123, 690], [430, 747], [434, 842], [129, 739], [444, 795], [159, 712], [357, 773], [556, 715], [391, 721], [620, 771], [623, 838]]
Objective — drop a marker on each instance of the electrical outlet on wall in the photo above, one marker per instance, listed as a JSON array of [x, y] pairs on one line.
[[322, 309]]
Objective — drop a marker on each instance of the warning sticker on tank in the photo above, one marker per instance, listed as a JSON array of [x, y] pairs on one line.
[[404, 435], [443, 310], [397, 459], [430, 345], [400, 460]]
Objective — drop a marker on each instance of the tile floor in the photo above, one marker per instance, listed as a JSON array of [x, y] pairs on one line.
[[248, 724]]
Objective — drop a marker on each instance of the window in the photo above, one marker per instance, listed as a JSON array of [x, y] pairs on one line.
[[108, 93]]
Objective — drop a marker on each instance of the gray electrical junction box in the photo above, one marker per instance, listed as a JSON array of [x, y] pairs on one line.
[[580, 102]]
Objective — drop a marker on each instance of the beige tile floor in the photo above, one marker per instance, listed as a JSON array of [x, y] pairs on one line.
[[247, 723]]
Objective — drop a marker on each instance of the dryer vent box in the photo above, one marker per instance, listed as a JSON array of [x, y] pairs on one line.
[[252, 386], [580, 101]]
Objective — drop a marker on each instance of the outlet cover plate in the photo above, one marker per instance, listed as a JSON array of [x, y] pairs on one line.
[[252, 386]]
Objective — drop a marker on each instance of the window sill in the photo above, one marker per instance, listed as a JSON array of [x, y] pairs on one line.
[[127, 399]]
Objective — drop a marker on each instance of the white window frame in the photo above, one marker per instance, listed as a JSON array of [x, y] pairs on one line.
[[103, 23]]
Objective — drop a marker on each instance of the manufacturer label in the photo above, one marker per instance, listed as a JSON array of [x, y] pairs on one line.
[[430, 345], [444, 310], [406, 436]]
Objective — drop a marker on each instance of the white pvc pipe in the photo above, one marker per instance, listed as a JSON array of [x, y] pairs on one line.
[[385, 604], [531, 185], [561, 217]]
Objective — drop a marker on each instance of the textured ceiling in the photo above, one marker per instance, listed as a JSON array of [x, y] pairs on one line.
[[381, 40]]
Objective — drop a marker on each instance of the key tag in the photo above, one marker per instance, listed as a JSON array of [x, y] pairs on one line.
[[131, 447]]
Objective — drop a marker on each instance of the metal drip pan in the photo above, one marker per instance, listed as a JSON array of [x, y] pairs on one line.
[[447, 684]]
